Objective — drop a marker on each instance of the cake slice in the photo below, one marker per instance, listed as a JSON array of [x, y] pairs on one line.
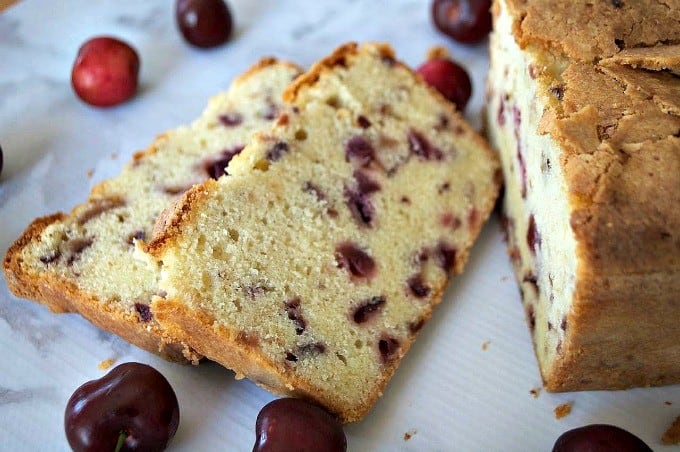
[[583, 105], [84, 261], [311, 269]]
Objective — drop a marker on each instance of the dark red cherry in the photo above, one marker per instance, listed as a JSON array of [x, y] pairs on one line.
[[204, 23], [105, 72], [296, 425], [599, 438], [466, 21], [132, 408], [448, 78]]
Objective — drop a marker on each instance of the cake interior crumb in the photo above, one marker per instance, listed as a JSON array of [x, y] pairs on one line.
[[562, 410], [485, 345], [535, 392], [672, 435], [106, 363], [408, 435]]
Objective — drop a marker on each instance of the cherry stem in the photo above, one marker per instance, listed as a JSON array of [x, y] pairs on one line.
[[121, 441]]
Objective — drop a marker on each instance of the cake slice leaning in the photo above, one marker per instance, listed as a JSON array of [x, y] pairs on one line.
[[85, 261], [311, 269], [587, 121]]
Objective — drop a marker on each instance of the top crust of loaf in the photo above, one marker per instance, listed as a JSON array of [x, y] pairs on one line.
[[588, 31], [658, 58]]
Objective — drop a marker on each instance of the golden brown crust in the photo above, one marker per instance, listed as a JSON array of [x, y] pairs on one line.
[[170, 221], [635, 354], [658, 58], [588, 31], [61, 295], [621, 160], [663, 88], [15, 275], [233, 351], [615, 116], [339, 57], [628, 249], [263, 63], [631, 225], [311, 76]]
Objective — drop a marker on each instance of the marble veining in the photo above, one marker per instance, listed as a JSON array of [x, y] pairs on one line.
[[42, 333], [10, 396], [149, 21], [9, 30]]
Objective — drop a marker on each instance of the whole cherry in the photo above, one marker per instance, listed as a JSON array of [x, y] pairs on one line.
[[466, 21], [294, 424], [449, 78], [105, 72], [204, 23], [132, 408], [599, 438]]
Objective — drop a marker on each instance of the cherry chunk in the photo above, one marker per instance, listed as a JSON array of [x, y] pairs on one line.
[[357, 261]]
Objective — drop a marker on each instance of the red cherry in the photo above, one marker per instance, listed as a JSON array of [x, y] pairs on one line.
[[133, 406], [105, 72], [599, 438], [448, 78], [466, 21], [294, 424], [204, 23]]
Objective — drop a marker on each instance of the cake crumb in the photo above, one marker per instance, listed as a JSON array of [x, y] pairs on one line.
[[668, 403], [437, 53], [672, 435], [562, 410], [408, 435], [89, 173], [505, 278], [535, 392], [106, 363], [485, 345], [114, 155]]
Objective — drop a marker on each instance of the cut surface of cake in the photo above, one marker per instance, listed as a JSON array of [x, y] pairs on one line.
[[85, 261], [311, 269], [584, 107]]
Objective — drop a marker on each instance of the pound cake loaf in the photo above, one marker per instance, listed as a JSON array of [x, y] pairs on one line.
[[84, 261], [311, 269], [584, 107]]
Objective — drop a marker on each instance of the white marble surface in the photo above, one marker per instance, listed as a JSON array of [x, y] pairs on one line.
[[449, 393]]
